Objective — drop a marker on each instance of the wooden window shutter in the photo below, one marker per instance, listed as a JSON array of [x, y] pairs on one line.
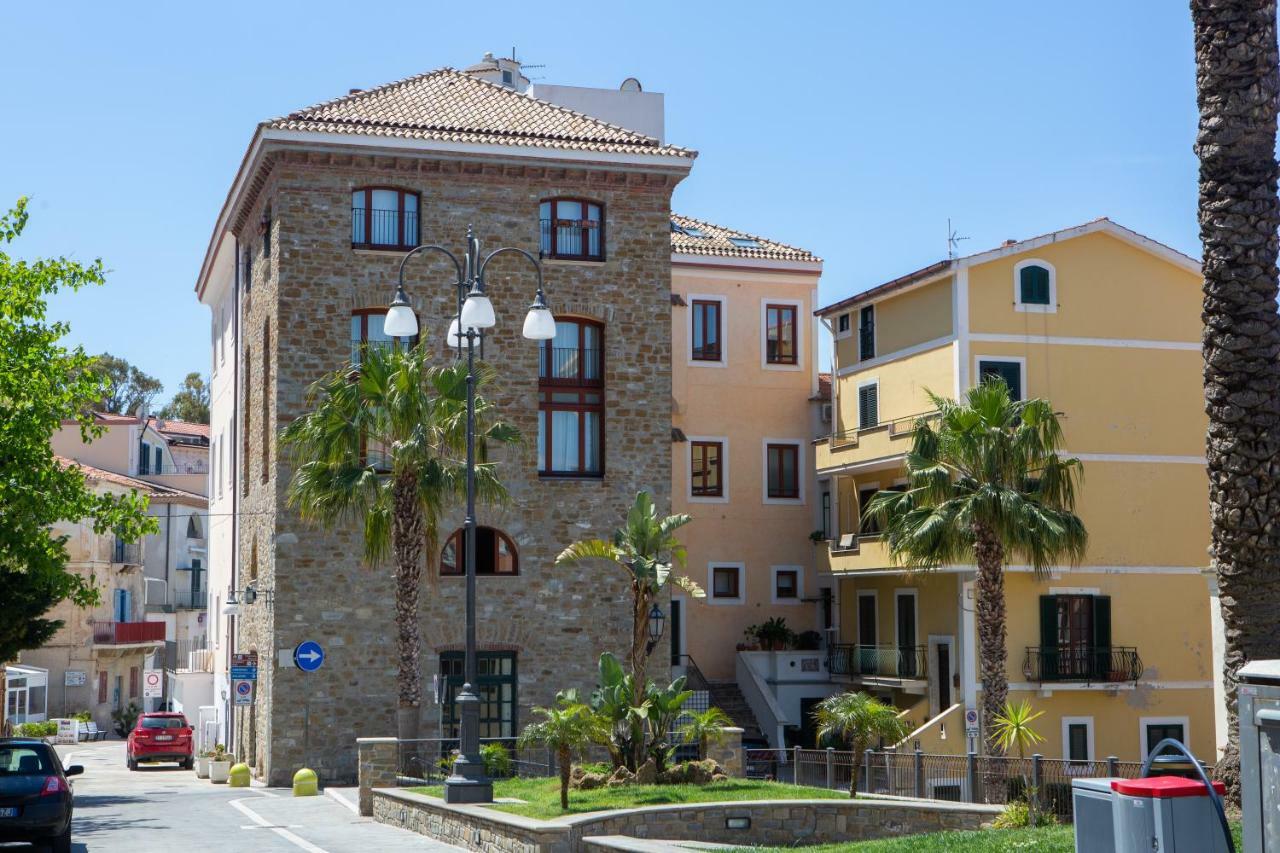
[[1034, 285], [1048, 637], [1102, 637], [868, 406]]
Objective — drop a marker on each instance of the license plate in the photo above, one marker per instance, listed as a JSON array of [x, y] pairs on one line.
[[164, 737], [8, 812]]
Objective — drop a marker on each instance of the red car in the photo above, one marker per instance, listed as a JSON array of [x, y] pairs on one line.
[[160, 736]]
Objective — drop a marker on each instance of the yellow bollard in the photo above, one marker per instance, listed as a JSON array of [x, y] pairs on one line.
[[239, 777], [304, 783]]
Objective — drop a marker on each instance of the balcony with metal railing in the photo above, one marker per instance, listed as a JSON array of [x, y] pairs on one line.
[[380, 228], [1088, 664], [874, 441], [570, 366], [878, 662], [168, 468], [570, 239], [127, 633], [126, 553]]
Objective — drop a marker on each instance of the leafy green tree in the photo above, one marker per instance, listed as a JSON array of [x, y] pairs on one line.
[[566, 729], [191, 403], [705, 728], [858, 719], [383, 445], [43, 384], [645, 548], [126, 387], [985, 482]]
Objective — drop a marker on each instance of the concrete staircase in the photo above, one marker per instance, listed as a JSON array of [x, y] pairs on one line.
[[726, 696]]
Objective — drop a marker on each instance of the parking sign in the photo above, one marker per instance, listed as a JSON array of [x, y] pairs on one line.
[[152, 684]]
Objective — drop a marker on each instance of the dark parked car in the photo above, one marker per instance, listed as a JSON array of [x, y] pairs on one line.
[[35, 797]]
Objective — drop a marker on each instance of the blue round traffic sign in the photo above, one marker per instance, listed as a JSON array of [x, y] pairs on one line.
[[308, 656]]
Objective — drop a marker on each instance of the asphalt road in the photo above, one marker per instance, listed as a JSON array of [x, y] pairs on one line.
[[163, 809]]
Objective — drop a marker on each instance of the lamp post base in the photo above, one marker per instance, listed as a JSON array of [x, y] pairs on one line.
[[460, 791], [468, 784]]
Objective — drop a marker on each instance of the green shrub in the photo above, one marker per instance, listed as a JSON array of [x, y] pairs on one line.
[[125, 719], [1017, 815], [497, 761], [82, 716], [45, 729]]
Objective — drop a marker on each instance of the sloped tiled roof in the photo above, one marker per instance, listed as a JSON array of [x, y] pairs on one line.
[[452, 106], [691, 236], [824, 388], [154, 490], [166, 427]]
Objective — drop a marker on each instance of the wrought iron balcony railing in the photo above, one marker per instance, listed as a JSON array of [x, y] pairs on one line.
[[881, 661], [898, 426], [381, 229], [1113, 664], [122, 633], [126, 552], [166, 468], [569, 239]]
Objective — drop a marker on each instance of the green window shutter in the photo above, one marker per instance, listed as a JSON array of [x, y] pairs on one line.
[[1034, 285], [1102, 637], [1048, 637]]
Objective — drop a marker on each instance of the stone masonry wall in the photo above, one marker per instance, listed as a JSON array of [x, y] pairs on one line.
[[557, 620]]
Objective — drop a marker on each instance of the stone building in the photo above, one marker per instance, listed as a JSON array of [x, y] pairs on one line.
[[301, 265]]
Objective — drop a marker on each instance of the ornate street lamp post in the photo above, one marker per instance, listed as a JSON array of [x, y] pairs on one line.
[[468, 783]]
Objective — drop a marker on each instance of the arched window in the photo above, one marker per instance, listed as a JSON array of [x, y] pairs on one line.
[[571, 228], [384, 218], [571, 401], [495, 553], [366, 331], [193, 527], [1035, 287]]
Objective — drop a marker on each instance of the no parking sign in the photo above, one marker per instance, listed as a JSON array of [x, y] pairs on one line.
[[971, 722], [242, 691], [152, 684]]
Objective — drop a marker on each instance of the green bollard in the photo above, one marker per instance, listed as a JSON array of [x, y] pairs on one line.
[[239, 777], [304, 783]]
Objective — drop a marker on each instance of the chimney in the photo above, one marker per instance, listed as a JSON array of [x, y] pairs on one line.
[[1010, 242], [501, 71]]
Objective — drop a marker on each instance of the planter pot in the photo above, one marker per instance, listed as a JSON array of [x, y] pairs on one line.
[[219, 771], [202, 767]]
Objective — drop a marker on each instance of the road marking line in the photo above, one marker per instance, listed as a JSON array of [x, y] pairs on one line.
[[262, 822], [350, 805]]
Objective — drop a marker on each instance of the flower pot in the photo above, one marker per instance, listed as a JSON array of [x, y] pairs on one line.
[[220, 771], [202, 767]]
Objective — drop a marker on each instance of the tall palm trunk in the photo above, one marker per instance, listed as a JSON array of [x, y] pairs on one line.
[[566, 761], [407, 536], [992, 651], [638, 658], [1236, 90]]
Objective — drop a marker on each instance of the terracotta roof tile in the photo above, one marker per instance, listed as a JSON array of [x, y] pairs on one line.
[[449, 105], [691, 236], [184, 428]]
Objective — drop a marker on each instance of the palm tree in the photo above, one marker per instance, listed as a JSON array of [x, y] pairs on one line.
[[985, 483], [1013, 728], [645, 548], [383, 444], [566, 729], [858, 719], [1236, 89], [705, 728]]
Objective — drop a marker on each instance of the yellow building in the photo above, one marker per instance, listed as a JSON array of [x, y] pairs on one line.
[[744, 367], [1105, 323]]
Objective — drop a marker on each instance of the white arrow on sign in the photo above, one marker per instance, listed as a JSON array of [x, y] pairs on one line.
[[310, 657]]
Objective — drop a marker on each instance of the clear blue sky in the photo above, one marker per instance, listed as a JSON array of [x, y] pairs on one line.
[[854, 129]]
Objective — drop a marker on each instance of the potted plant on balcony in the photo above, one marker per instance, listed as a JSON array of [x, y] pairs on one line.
[[220, 765], [202, 763], [772, 635]]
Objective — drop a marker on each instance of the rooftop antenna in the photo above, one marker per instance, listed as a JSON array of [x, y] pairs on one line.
[[523, 65], [953, 241]]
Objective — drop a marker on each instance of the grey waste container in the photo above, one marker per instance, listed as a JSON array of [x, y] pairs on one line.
[[1259, 713], [1167, 814], [1094, 826]]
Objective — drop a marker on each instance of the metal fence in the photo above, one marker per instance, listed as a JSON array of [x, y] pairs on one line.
[[428, 761], [971, 778]]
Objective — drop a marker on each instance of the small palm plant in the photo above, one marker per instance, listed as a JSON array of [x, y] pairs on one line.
[[1012, 729], [858, 719], [566, 729], [645, 548], [705, 728]]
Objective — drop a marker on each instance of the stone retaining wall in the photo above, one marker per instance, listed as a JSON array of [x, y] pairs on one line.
[[769, 822]]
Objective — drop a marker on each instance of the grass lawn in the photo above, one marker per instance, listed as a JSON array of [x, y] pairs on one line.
[[1050, 839], [542, 796]]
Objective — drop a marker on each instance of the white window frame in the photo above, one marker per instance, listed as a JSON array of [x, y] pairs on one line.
[[1018, 304], [874, 595], [835, 327], [711, 582], [802, 461], [1022, 369], [1143, 722], [773, 584], [724, 470], [764, 334], [914, 593], [1067, 723], [724, 329], [874, 380], [875, 334]]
